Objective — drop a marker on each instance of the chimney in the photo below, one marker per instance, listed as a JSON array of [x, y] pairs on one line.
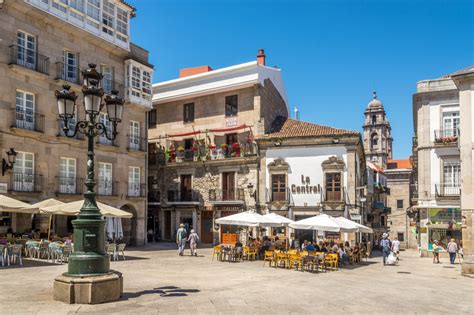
[[186, 72], [297, 113], [261, 57]]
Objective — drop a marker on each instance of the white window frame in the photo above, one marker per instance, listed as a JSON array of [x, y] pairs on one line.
[[134, 136], [67, 175], [450, 123], [24, 171], [26, 54], [25, 115], [104, 118], [105, 176], [108, 80], [134, 181]]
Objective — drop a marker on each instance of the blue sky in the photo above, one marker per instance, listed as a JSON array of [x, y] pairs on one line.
[[333, 54]]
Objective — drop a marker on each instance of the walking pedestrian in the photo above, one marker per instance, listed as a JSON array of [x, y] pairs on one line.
[[452, 250], [436, 248], [193, 238], [181, 239], [396, 247], [460, 253], [385, 246]]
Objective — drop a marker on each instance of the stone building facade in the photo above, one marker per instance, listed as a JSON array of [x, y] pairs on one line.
[[203, 161], [44, 45]]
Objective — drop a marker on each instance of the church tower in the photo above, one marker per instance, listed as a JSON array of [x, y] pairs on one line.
[[377, 134]]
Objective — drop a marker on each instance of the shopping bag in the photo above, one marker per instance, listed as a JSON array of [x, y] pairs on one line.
[[391, 259]]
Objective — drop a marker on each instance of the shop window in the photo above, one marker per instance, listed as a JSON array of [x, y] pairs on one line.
[[231, 106], [401, 237]]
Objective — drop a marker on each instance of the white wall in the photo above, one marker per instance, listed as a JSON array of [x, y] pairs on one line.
[[306, 162]]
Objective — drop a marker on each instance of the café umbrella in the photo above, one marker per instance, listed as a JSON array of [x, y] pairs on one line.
[[8, 204], [279, 218], [360, 228], [323, 222], [247, 218], [73, 208]]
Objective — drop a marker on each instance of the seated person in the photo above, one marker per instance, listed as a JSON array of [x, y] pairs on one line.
[[343, 255], [278, 242], [334, 247], [347, 248], [256, 241], [317, 247], [239, 244], [310, 247], [303, 246]]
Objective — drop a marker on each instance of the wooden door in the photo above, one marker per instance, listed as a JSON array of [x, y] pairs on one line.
[[167, 222], [186, 192], [333, 186], [228, 186], [279, 187], [206, 227]]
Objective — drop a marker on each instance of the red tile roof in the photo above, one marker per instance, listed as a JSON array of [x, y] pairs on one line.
[[393, 164], [284, 127]]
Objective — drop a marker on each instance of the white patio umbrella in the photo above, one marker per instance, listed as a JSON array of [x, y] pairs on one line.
[[322, 222], [73, 208], [114, 228], [8, 204], [360, 228], [278, 218], [247, 218], [45, 203]]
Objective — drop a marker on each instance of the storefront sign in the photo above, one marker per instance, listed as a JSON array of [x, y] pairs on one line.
[[231, 122], [305, 187]]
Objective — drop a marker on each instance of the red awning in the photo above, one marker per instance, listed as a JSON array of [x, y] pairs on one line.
[[192, 133], [229, 129]]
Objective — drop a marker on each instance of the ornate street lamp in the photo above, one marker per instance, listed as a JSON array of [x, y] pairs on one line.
[[8, 165], [89, 257]]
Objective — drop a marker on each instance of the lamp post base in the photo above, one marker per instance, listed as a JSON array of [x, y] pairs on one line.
[[89, 289]]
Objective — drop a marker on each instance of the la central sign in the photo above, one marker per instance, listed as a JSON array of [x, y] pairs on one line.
[[305, 187]]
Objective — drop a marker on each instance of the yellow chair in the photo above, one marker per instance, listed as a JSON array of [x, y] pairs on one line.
[[281, 257], [295, 260], [268, 256], [332, 261], [217, 252], [249, 253]]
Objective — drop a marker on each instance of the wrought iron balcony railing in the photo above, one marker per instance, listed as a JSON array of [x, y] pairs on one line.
[[188, 195], [448, 190], [107, 188], [136, 190], [29, 58], [26, 182], [136, 143], [227, 195], [70, 185], [27, 119], [68, 73], [446, 136]]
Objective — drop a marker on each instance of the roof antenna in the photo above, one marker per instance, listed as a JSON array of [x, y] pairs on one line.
[[297, 113]]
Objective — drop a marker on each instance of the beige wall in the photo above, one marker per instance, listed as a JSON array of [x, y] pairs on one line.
[[53, 36]]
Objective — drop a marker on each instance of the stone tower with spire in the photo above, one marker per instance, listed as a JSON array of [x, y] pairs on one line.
[[377, 134]]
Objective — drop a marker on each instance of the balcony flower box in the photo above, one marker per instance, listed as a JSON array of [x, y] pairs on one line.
[[235, 150], [223, 152], [213, 152], [446, 139]]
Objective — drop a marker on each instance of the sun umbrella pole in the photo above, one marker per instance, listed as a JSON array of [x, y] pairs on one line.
[[49, 226]]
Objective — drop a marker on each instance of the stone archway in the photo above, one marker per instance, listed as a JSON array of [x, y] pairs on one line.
[[129, 226]]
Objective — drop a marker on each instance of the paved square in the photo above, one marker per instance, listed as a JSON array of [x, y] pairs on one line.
[[158, 281]]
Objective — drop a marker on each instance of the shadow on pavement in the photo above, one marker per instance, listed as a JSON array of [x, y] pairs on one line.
[[167, 291]]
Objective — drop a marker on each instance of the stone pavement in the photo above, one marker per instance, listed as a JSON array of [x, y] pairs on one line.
[[158, 281]]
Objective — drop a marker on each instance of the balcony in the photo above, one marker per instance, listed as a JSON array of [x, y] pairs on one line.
[[68, 73], [212, 152], [29, 59], [180, 196], [107, 188], [139, 97], [109, 86], [103, 140], [136, 190], [449, 190], [227, 196], [21, 182], [334, 196], [135, 143], [282, 197], [70, 185], [27, 119], [446, 136]]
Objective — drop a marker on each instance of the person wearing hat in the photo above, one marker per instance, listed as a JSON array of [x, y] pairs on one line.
[[386, 246], [436, 249], [181, 239], [193, 238]]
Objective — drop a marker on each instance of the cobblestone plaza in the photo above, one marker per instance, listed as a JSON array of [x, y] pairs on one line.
[[158, 281]]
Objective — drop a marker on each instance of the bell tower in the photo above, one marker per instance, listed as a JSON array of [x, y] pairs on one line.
[[377, 134]]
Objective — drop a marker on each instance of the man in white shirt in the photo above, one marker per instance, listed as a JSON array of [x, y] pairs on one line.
[[396, 246]]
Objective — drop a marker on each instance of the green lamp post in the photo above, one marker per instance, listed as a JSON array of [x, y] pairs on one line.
[[89, 257]]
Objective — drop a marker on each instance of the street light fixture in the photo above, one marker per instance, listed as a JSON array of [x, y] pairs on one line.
[[89, 257], [8, 165]]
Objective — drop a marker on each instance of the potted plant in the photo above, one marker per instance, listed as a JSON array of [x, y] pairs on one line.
[[212, 151], [224, 149], [236, 149], [195, 151], [180, 154]]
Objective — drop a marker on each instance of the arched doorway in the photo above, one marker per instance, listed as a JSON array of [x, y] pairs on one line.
[[129, 226]]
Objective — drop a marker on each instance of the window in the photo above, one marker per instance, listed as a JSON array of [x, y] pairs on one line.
[[25, 110], [104, 118], [77, 9], [107, 81], [71, 72], [374, 141], [134, 181], [188, 112], [228, 186], [60, 5], [122, 25], [374, 119], [152, 118], [400, 204], [136, 81], [26, 54], [23, 172], [105, 179], [333, 187], [451, 177], [186, 188], [231, 138], [279, 187], [231, 105], [401, 236], [146, 82], [93, 13], [108, 13], [450, 124], [67, 176], [134, 135]]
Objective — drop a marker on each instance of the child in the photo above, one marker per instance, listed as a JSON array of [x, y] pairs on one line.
[[460, 253], [436, 249]]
